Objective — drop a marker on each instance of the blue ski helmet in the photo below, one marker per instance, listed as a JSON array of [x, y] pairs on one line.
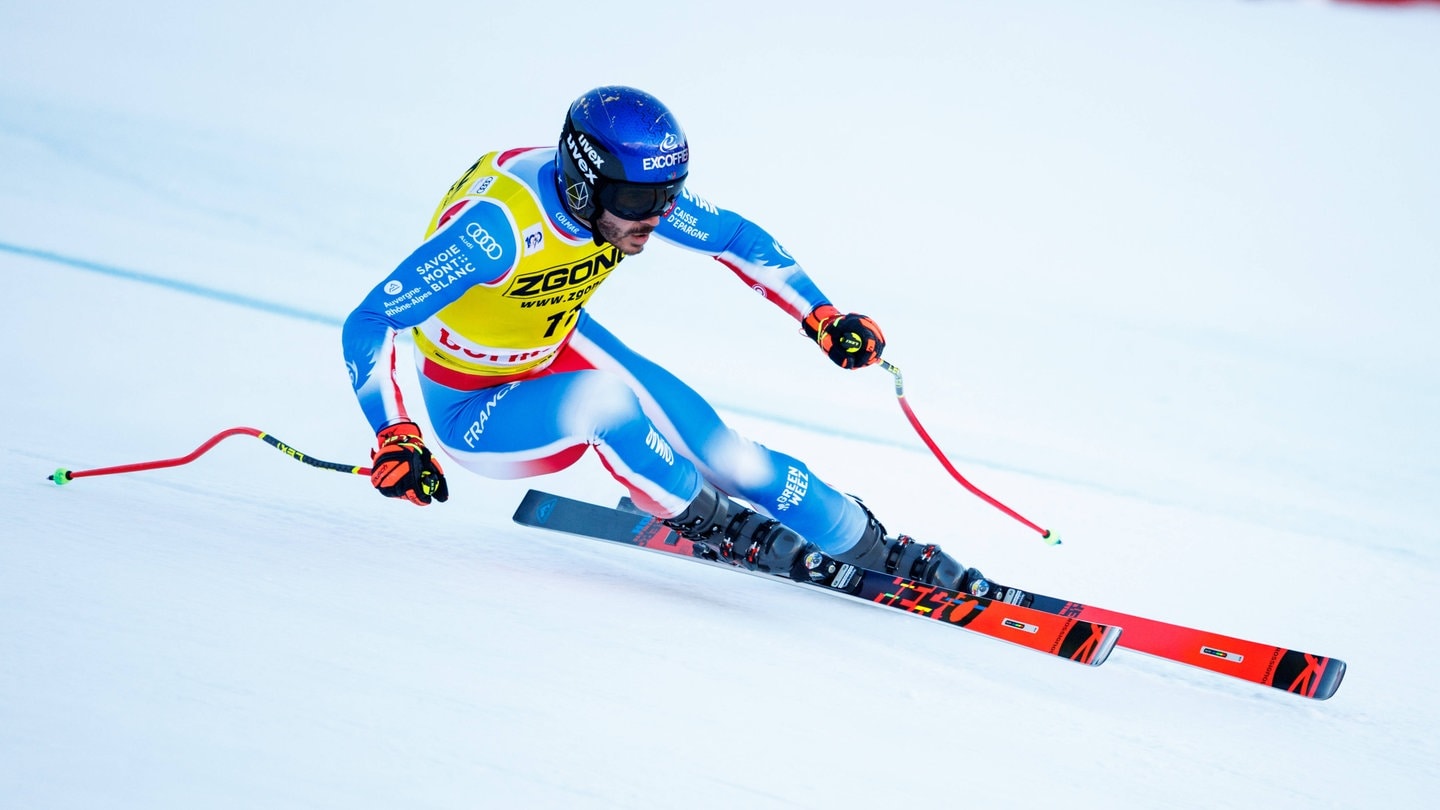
[[621, 150]]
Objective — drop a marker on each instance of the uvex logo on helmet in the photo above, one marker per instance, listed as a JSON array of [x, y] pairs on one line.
[[581, 151]]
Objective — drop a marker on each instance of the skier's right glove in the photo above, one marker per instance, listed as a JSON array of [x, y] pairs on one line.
[[402, 467]]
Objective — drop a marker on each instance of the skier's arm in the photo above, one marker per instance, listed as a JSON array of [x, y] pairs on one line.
[[744, 247], [851, 341], [477, 246]]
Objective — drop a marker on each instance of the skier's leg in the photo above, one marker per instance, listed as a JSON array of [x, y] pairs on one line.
[[775, 483], [544, 424]]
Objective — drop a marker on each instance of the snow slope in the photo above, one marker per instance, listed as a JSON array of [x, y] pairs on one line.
[[1161, 276]]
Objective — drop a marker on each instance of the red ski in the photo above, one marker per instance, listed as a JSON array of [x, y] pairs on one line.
[[1300, 673], [1078, 640]]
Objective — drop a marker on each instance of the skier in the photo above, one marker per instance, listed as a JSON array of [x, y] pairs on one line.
[[519, 380]]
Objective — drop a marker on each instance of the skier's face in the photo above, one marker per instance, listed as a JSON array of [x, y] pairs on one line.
[[629, 236]]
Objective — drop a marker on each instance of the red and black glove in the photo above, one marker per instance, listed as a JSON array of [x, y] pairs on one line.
[[402, 467], [851, 341]]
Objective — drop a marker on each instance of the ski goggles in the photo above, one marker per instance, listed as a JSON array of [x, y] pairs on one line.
[[637, 201]]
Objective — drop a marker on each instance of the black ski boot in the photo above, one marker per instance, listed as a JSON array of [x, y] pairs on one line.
[[902, 556], [740, 536]]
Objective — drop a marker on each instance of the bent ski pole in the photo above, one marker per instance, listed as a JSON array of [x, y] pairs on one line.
[[1045, 534], [63, 476]]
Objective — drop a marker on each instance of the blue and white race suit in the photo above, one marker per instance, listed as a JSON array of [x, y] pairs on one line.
[[519, 380]]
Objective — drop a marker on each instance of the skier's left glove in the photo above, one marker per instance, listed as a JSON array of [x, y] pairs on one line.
[[403, 467], [851, 341]]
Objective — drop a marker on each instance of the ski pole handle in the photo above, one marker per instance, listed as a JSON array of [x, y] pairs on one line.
[[1045, 534], [63, 476]]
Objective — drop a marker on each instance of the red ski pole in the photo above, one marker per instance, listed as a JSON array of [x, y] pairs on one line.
[[1045, 534], [63, 476]]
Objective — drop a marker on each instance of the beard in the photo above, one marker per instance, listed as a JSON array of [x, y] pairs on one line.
[[613, 229]]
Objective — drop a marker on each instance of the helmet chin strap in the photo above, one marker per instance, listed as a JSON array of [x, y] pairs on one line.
[[594, 224], [595, 227]]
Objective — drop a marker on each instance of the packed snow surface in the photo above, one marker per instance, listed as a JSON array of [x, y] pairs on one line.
[[1162, 276]]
